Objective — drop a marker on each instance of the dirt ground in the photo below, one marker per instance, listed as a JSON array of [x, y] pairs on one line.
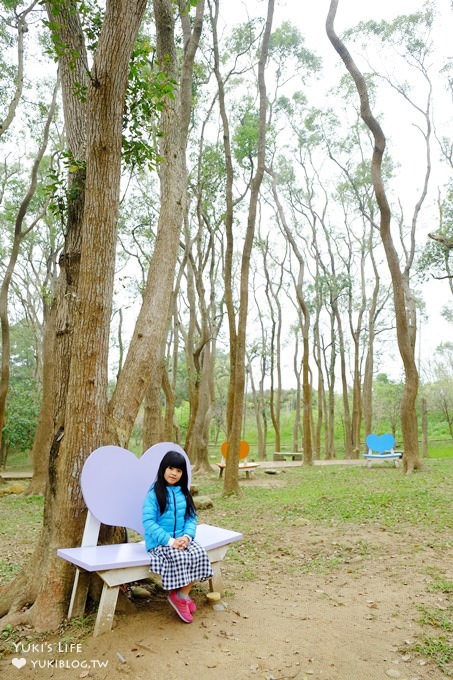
[[353, 616]]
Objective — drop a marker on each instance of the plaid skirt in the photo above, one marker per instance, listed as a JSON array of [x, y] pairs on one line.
[[178, 568]]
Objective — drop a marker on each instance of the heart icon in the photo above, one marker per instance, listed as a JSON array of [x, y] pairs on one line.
[[380, 443], [18, 663], [115, 482]]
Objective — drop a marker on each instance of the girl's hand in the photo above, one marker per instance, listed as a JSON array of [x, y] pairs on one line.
[[181, 543]]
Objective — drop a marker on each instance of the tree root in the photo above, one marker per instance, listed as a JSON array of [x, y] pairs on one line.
[[201, 468], [32, 612], [16, 618], [16, 595], [37, 487]]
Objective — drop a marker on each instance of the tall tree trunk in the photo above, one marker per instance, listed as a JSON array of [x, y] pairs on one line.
[[67, 31], [144, 354], [344, 384], [257, 411], [330, 373], [238, 335], [260, 401], [297, 410], [272, 295], [356, 332], [317, 353], [305, 327], [49, 579], [199, 451], [369, 359], [405, 336], [170, 431]]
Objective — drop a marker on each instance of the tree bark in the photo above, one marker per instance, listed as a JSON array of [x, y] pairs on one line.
[[85, 424], [67, 31], [144, 354]]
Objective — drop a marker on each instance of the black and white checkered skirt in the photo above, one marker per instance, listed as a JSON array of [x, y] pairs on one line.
[[178, 568]]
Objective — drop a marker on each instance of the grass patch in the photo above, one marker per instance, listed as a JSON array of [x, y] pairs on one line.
[[440, 448], [26, 510], [438, 648], [20, 534], [378, 496], [441, 584], [438, 618], [439, 651]]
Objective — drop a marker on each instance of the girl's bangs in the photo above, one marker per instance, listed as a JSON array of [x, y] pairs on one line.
[[174, 459]]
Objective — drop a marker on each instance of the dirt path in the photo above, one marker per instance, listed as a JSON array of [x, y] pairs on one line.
[[353, 616]]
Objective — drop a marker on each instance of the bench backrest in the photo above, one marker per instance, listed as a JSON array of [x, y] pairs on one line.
[[244, 450], [114, 485], [380, 443]]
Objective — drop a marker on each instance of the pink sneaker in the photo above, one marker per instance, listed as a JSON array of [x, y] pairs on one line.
[[192, 606], [180, 606]]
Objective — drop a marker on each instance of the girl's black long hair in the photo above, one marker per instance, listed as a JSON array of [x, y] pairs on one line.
[[176, 460]]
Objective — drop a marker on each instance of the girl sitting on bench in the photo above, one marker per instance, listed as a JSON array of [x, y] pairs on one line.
[[170, 521]]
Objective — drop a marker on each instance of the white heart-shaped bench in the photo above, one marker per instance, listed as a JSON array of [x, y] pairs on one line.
[[114, 484]]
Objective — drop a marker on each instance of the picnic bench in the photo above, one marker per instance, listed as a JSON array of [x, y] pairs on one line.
[[114, 484], [283, 455], [244, 464], [381, 448]]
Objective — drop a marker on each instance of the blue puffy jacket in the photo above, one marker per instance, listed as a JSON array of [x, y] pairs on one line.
[[159, 528]]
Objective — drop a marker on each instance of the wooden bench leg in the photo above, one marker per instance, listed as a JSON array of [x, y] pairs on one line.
[[106, 610], [216, 582], [79, 593]]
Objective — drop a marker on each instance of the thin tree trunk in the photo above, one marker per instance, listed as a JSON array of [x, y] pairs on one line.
[[305, 326], [20, 230], [22, 29], [257, 411], [238, 336], [44, 428], [297, 410], [424, 428]]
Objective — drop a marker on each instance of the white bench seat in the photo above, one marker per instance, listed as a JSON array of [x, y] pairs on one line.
[[395, 456], [248, 468], [119, 555]]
